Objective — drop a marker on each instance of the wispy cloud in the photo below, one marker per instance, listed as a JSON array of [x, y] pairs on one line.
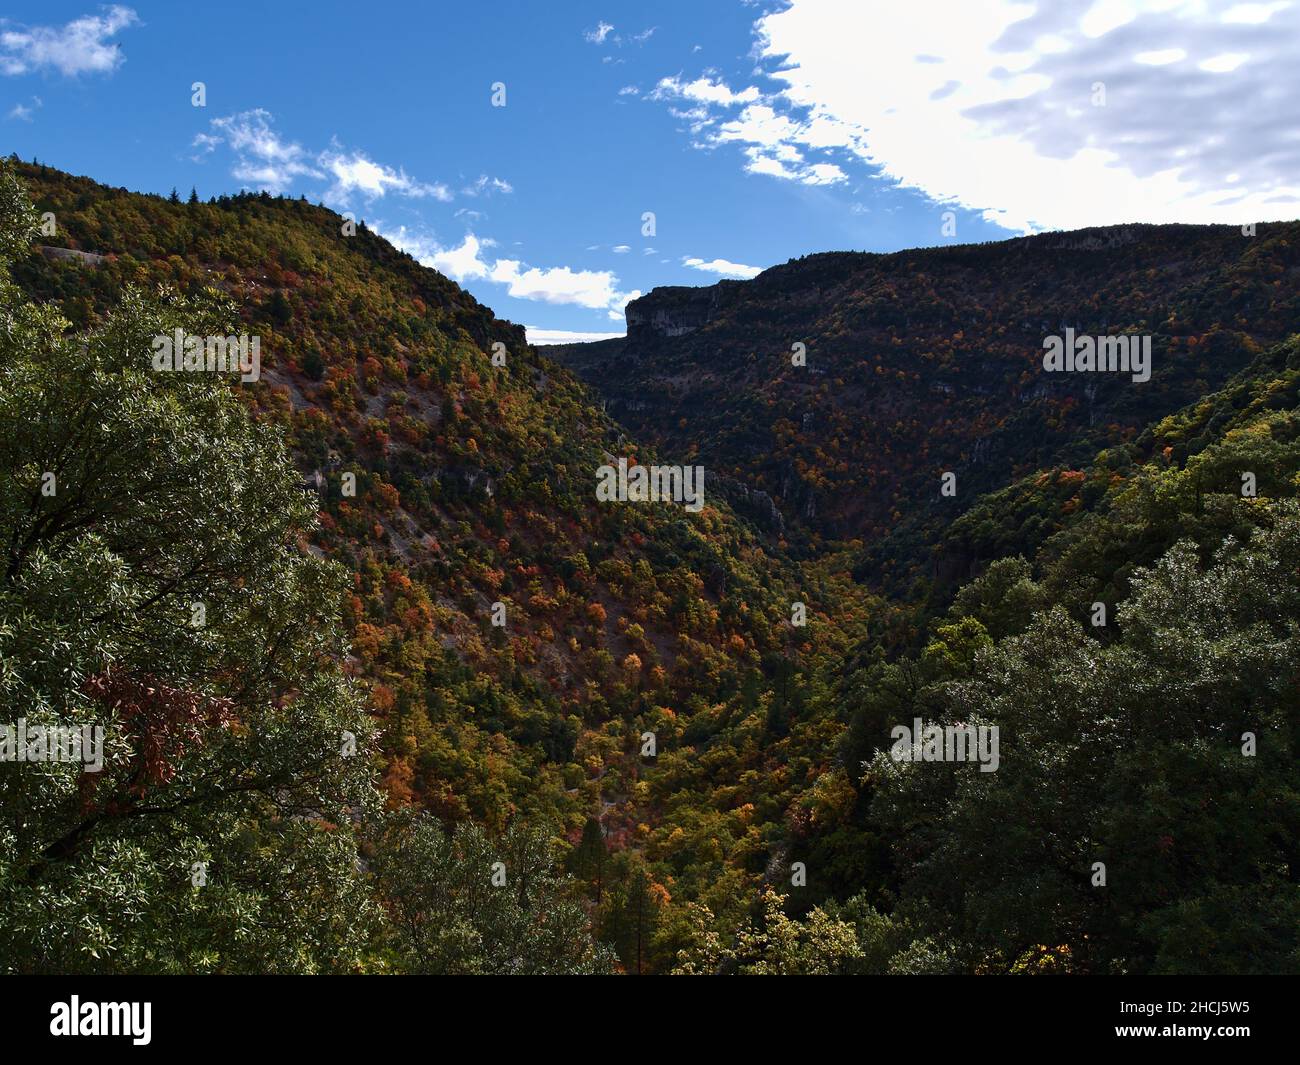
[[485, 186], [603, 32], [354, 172], [704, 90], [722, 267], [776, 145], [592, 289], [266, 160], [82, 46], [773, 143], [22, 113], [541, 337]]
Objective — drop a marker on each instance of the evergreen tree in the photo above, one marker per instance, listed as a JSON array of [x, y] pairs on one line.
[[589, 856], [631, 919]]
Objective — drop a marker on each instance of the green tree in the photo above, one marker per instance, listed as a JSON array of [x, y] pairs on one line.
[[589, 856], [154, 585], [1163, 762], [631, 919], [775, 945], [464, 902]]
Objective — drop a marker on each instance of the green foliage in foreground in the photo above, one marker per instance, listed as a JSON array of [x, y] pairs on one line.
[[1145, 814], [1161, 742], [155, 584], [1168, 755]]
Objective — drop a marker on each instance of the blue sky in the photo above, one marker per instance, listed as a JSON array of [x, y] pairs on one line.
[[754, 132]]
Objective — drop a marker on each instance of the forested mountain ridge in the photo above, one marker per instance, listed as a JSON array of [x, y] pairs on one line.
[[927, 361], [770, 831], [1043, 513], [1126, 598], [474, 485]]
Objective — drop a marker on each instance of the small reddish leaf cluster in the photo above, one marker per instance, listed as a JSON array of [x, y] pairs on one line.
[[163, 722]]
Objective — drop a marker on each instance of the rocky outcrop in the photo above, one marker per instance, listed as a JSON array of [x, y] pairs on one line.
[[752, 503], [673, 310], [81, 258]]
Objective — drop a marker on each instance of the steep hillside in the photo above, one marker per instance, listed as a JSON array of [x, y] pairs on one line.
[[1206, 473], [1137, 645], [929, 361], [449, 484], [652, 690]]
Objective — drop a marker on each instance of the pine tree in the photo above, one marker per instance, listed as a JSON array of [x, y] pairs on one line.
[[630, 918], [589, 857]]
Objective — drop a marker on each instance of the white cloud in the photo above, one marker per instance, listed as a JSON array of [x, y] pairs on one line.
[[1088, 112], [541, 337], [80, 47], [723, 268], [704, 90], [1106, 15], [23, 113], [1223, 64], [486, 185], [593, 289], [822, 174], [265, 160], [1161, 57], [355, 173], [1252, 14], [773, 142], [999, 117], [462, 263], [605, 32], [758, 124]]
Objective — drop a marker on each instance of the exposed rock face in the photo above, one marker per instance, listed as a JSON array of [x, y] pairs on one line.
[[462, 481], [82, 258], [673, 311], [752, 503]]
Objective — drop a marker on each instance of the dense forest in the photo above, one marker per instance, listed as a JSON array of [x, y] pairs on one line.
[[385, 688], [842, 385]]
